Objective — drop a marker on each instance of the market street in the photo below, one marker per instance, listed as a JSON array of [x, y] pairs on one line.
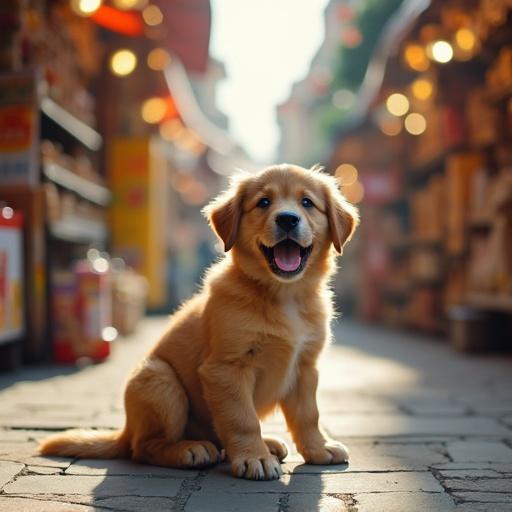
[[428, 429]]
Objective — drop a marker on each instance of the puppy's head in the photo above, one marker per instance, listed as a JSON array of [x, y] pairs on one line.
[[282, 221]]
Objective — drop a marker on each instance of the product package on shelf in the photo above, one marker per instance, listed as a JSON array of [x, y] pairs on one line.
[[460, 170], [427, 207], [82, 312], [11, 275], [482, 118], [18, 129], [490, 267]]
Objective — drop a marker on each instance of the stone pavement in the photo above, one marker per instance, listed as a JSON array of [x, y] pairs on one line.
[[428, 430]]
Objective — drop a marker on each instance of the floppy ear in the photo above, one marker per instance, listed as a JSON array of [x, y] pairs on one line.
[[224, 214], [343, 217]]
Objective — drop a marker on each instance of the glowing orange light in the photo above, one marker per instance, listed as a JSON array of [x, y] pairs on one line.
[[346, 174], [158, 59], [422, 88], [153, 110], [152, 15], [354, 193], [415, 57]]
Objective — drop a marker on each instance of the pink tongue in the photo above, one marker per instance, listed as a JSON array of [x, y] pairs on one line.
[[287, 256]]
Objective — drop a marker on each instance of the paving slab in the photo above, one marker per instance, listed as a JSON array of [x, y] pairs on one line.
[[479, 485], [470, 473], [484, 497], [97, 486], [135, 504], [44, 470], [27, 454], [204, 501], [312, 502], [8, 470], [404, 425], [119, 467], [370, 457], [436, 410], [499, 467], [30, 420], [479, 451], [403, 502], [15, 504], [349, 403], [496, 407], [324, 483], [21, 435], [482, 507]]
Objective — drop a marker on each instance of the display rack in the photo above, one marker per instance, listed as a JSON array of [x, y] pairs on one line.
[[438, 243]]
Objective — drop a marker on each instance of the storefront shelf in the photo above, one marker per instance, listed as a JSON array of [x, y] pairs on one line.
[[77, 230], [81, 186], [74, 126]]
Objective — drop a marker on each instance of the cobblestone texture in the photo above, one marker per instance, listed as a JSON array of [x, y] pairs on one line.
[[428, 429]]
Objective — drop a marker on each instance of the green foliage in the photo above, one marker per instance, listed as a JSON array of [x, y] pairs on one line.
[[352, 62]]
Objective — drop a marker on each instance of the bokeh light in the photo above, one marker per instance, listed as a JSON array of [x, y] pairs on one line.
[[126, 5], [397, 104], [7, 212], [351, 37], [422, 88], [354, 192], [152, 15], [465, 39], [100, 265], [153, 110], [415, 123], [441, 51], [109, 333], [390, 126], [158, 59], [346, 174], [123, 62], [85, 7], [171, 130], [416, 58]]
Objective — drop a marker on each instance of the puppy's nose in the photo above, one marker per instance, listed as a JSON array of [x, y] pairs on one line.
[[287, 221]]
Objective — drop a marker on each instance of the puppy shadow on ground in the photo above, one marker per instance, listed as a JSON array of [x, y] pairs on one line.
[[314, 487], [125, 485]]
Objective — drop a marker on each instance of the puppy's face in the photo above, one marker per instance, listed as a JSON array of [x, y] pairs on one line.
[[282, 220]]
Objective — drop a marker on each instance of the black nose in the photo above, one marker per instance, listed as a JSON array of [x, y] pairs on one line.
[[287, 221]]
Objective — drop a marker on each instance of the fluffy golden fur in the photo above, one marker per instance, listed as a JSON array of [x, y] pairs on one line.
[[246, 343]]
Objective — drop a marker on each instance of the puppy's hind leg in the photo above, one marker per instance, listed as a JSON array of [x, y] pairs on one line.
[[156, 416]]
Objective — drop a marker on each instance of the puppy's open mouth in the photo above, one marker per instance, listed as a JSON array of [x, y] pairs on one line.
[[286, 258]]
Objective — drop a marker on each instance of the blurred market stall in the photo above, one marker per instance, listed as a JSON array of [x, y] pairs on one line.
[[423, 144], [110, 140]]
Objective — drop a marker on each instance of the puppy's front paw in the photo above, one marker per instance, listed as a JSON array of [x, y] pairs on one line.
[[266, 467], [331, 452], [276, 446]]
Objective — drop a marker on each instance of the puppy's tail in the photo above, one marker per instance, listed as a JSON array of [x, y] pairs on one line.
[[91, 444]]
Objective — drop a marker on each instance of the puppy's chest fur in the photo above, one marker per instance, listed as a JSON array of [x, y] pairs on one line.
[[279, 349]]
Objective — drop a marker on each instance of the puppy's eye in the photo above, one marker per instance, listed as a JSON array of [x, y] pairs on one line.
[[264, 202], [307, 203]]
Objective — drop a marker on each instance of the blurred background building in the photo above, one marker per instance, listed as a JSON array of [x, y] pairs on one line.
[[111, 141]]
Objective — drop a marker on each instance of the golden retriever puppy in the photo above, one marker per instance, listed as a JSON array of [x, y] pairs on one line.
[[246, 343]]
